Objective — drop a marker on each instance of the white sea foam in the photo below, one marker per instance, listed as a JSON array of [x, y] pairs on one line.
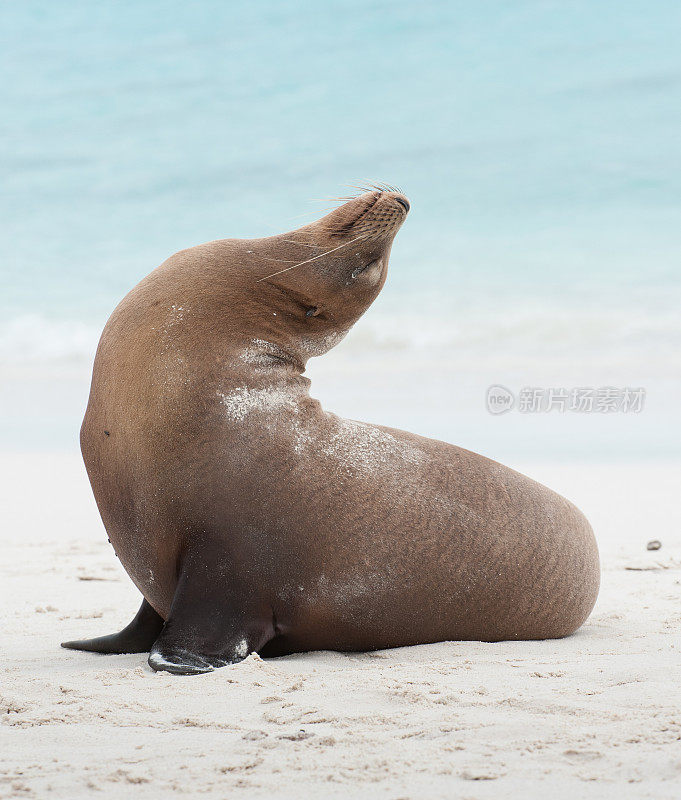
[[471, 338], [32, 338]]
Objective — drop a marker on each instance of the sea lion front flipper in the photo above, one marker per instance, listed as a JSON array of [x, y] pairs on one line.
[[137, 637], [210, 625]]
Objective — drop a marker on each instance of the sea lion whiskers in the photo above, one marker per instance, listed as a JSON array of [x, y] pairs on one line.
[[271, 258], [302, 244], [341, 199], [314, 258], [374, 187]]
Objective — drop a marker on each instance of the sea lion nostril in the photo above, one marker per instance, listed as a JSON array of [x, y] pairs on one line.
[[404, 203]]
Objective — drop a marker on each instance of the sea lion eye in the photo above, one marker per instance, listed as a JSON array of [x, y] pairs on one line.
[[312, 311]]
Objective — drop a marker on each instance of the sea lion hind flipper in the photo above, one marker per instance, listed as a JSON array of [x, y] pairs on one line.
[[137, 637], [210, 626]]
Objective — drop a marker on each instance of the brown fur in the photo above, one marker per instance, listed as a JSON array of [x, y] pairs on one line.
[[251, 519]]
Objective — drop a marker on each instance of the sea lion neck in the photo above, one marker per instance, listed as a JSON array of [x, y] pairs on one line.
[[282, 299]]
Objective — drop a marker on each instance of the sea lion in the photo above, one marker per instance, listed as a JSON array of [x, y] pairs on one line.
[[253, 520]]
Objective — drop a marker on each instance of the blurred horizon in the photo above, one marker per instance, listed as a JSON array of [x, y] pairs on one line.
[[537, 141]]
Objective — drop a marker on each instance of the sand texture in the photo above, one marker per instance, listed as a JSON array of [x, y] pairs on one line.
[[594, 715]]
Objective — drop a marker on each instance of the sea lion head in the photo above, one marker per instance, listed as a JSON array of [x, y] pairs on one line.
[[329, 272]]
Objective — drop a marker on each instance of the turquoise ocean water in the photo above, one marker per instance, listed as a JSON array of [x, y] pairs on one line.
[[539, 143]]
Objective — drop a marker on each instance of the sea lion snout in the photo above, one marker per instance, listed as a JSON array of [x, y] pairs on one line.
[[370, 216]]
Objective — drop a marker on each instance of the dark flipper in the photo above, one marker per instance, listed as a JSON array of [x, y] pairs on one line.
[[137, 637], [210, 625]]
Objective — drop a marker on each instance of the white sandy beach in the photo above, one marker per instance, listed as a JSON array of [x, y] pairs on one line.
[[538, 146], [595, 715]]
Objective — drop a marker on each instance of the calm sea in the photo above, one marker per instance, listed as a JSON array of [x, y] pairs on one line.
[[539, 143]]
